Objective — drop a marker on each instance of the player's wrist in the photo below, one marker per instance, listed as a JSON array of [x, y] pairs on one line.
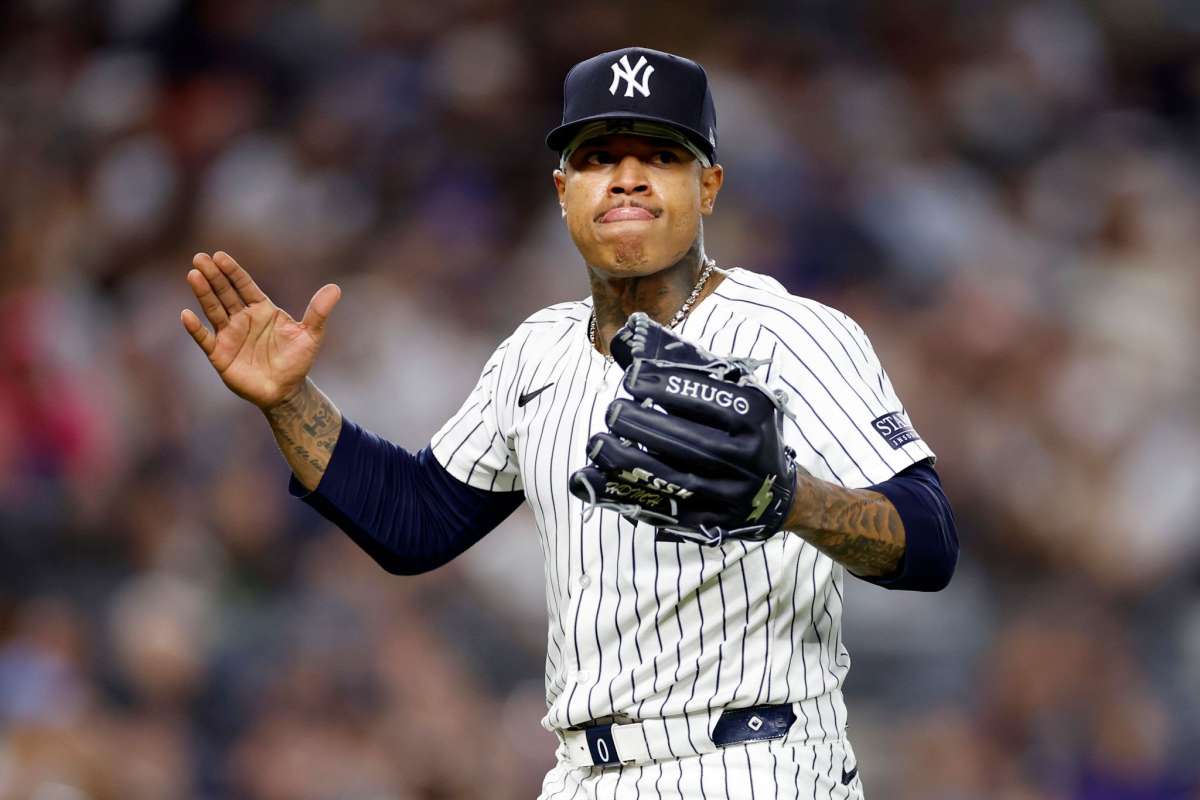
[[803, 515], [290, 398]]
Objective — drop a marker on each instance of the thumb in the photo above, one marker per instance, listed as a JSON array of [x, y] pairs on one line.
[[320, 306]]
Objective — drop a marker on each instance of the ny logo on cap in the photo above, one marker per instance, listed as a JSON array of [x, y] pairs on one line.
[[622, 71]]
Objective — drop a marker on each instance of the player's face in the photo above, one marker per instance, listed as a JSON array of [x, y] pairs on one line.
[[633, 203]]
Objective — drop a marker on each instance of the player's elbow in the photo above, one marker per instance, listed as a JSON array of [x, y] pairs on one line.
[[403, 568], [945, 553], [941, 579], [940, 546], [400, 565], [950, 538], [931, 535], [397, 556]]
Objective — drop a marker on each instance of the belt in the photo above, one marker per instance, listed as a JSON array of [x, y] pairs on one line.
[[644, 741]]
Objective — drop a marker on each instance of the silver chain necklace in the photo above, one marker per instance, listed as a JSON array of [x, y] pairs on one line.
[[709, 266]]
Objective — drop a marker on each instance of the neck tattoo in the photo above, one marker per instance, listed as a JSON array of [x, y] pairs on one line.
[[709, 266]]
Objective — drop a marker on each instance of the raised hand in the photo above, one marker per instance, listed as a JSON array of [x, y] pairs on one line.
[[261, 353]]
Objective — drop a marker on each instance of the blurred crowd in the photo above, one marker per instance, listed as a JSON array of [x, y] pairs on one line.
[[1006, 195]]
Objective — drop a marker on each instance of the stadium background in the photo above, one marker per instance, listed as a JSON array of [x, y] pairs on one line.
[[1005, 195]]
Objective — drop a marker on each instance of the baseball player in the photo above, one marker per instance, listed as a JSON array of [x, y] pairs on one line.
[[705, 456]]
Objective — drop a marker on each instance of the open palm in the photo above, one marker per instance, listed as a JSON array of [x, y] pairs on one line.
[[261, 353]]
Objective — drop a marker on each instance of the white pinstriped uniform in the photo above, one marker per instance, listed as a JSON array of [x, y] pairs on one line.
[[676, 632]]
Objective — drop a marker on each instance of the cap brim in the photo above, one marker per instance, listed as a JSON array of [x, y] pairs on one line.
[[561, 136]]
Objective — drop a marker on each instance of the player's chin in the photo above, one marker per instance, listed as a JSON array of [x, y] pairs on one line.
[[629, 264], [632, 256]]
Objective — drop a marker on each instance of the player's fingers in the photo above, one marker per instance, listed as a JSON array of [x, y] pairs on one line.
[[221, 286], [614, 456], [697, 395], [212, 307], [641, 503], [681, 441], [642, 337], [587, 484], [636, 503], [246, 288], [202, 335], [634, 465], [320, 307]]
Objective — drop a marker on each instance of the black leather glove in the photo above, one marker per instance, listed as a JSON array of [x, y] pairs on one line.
[[698, 452]]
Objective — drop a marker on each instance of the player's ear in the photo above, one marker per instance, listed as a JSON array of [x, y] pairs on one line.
[[711, 179], [560, 186]]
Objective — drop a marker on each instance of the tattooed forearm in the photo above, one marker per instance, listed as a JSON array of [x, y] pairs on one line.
[[857, 527], [306, 428]]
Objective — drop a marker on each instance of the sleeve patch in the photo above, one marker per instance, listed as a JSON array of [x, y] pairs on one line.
[[895, 429]]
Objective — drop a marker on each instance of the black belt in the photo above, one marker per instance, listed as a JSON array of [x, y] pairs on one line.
[[751, 724], [734, 726]]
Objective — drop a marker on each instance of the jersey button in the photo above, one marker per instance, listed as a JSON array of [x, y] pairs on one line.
[[584, 581]]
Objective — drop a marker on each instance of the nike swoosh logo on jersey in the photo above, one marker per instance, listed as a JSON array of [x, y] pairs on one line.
[[848, 776], [527, 396]]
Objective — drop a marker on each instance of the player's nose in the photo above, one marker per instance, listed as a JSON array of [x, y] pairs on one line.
[[629, 177]]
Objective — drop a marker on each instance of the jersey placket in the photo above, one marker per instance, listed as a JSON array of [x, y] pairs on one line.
[[586, 592]]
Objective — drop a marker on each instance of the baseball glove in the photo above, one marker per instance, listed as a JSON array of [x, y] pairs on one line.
[[697, 452]]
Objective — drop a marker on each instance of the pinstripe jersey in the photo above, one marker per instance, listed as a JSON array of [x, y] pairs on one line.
[[676, 632]]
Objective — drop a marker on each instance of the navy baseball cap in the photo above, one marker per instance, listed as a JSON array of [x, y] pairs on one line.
[[641, 85]]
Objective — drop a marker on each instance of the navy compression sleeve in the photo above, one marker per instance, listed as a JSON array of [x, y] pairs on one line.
[[404, 510], [931, 539]]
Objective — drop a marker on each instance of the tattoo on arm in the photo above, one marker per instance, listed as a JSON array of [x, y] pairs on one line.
[[306, 429], [859, 528]]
